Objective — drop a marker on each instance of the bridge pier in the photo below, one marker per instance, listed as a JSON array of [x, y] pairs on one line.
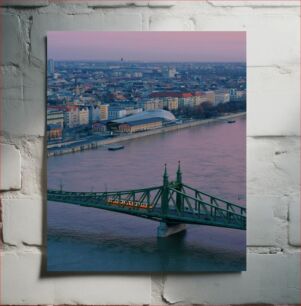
[[165, 230]]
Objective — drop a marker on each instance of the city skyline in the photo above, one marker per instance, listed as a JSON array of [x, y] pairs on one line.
[[169, 46]]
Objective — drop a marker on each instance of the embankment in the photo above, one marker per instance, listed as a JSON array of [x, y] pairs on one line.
[[100, 143]]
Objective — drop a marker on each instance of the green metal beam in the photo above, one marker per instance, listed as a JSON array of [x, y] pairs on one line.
[[173, 202]]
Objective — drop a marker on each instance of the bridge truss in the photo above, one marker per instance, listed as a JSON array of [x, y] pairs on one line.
[[172, 203]]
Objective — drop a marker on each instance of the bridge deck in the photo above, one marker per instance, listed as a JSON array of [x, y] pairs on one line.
[[203, 213]]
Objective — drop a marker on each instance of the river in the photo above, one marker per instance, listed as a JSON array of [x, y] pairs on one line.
[[213, 160]]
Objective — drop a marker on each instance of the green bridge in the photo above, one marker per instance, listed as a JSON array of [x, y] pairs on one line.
[[173, 204]]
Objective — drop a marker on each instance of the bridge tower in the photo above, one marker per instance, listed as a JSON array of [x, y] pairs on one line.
[[179, 187], [165, 228], [165, 193]]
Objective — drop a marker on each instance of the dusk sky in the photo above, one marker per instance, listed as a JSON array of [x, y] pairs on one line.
[[148, 46]]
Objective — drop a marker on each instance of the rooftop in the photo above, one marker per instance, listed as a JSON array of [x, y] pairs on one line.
[[144, 121]]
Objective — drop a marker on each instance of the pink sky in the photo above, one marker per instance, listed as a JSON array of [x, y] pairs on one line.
[[148, 46]]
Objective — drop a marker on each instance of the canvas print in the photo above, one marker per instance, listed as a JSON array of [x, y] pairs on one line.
[[146, 151]]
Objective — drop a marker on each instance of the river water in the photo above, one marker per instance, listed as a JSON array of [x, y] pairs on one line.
[[213, 160]]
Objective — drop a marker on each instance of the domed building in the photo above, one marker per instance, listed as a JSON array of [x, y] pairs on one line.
[[157, 113], [143, 121]]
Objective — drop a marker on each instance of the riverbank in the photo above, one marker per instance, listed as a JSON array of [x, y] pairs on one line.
[[99, 143]]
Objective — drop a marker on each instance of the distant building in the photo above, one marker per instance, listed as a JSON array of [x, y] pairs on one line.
[[237, 95], [174, 100], [118, 95], [140, 125], [132, 110], [152, 104], [172, 103], [221, 96], [55, 117], [116, 73], [99, 127], [163, 115], [210, 95], [71, 116], [50, 66], [199, 98], [77, 90], [172, 72], [186, 99], [116, 113], [232, 92], [54, 132], [137, 75], [104, 111], [94, 113], [241, 94], [83, 115]]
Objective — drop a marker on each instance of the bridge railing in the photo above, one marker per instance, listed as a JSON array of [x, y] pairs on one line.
[[128, 191], [185, 204], [87, 193], [135, 199], [147, 198], [198, 208], [216, 201]]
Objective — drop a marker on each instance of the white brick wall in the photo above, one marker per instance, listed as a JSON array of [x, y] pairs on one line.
[[22, 227], [273, 151], [10, 167]]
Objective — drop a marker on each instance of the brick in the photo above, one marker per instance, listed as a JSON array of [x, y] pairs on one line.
[[161, 3], [11, 84], [12, 97], [89, 3], [260, 219], [22, 221], [24, 3], [294, 220], [119, 4], [278, 89], [286, 159], [13, 46], [115, 4], [273, 165], [10, 167], [23, 104], [274, 34], [122, 22], [33, 168], [22, 284], [169, 23], [269, 279], [250, 3], [66, 7], [270, 30]]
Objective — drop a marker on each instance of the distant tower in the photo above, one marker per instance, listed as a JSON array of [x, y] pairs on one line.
[[51, 66], [172, 72], [233, 93], [77, 89], [121, 59]]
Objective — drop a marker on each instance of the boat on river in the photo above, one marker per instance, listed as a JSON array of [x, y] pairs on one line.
[[115, 147]]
